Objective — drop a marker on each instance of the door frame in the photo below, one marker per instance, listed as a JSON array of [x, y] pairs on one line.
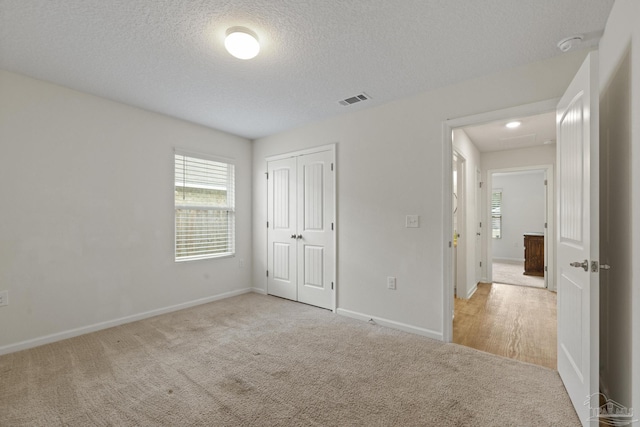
[[447, 194], [549, 232], [334, 240]]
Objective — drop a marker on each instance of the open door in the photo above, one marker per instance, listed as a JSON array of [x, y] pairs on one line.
[[578, 239]]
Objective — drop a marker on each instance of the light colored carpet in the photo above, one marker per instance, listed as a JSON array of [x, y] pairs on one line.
[[255, 360], [511, 273]]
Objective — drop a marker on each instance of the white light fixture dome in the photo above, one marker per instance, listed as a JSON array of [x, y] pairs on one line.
[[513, 125], [242, 43]]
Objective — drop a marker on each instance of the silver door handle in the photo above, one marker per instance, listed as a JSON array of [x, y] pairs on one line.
[[477, 234], [578, 264]]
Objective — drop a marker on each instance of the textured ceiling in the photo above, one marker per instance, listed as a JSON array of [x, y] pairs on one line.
[[495, 136], [168, 55]]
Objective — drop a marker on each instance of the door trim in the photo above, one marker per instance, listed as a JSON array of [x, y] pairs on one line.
[[447, 179], [334, 242]]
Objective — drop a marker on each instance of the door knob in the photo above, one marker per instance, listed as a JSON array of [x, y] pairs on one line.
[[293, 236], [299, 236], [578, 264]]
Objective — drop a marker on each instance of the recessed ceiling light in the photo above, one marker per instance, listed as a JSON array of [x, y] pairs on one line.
[[242, 43], [513, 125]]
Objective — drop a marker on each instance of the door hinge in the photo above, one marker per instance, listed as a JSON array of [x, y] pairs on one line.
[[480, 263], [331, 166], [331, 285], [267, 174], [267, 224], [449, 244], [480, 224], [332, 226], [545, 182], [545, 225], [267, 273], [546, 268], [480, 184]]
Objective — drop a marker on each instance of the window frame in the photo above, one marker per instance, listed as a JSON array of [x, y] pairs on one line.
[[496, 216], [230, 208]]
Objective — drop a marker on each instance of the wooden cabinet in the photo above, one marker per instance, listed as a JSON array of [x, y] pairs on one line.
[[534, 254]]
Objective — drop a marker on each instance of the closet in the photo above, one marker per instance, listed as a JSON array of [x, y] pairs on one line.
[[301, 227]]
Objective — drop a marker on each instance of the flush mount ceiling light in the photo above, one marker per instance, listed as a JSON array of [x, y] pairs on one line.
[[513, 125], [242, 43], [566, 44]]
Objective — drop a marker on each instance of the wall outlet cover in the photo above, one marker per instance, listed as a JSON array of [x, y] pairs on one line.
[[413, 221]]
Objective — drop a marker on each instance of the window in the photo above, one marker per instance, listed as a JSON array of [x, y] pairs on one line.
[[204, 208], [496, 214]]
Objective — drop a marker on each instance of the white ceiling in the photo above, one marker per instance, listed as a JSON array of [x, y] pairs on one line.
[[168, 55], [495, 136]]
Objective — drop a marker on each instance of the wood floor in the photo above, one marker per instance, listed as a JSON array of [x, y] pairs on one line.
[[513, 321]]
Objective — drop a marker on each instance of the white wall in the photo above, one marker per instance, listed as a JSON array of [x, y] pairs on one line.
[[464, 146], [523, 157], [87, 213], [389, 164], [620, 136], [523, 210]]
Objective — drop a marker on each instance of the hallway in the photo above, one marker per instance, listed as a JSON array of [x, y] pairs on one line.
[[512, 321]]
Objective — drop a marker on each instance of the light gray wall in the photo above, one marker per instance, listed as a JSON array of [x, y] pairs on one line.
[[620, 233], [523, 210], [390, 164], [86, 237]]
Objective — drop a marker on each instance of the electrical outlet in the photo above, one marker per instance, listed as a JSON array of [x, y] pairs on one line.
[[412, 221], [391, 283], [4, 298]]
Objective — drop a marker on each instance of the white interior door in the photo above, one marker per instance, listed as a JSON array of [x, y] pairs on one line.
[[315, 226], [578, 238], [282, 229], [301, 227], [478, 245]]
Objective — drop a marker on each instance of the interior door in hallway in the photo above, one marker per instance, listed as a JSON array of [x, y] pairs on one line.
[[301, 245], [578, 239]]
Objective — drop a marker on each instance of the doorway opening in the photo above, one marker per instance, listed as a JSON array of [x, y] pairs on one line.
[[520, 213], [500, 207]]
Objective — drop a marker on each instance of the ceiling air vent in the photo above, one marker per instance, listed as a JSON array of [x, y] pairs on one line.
[[354, 99]]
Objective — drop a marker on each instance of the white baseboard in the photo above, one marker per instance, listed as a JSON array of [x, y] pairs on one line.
[[392, 324], [472, 291], [259, 291], [59, 336]]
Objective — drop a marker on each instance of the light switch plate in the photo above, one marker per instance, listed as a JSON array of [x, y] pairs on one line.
[[413, 221]]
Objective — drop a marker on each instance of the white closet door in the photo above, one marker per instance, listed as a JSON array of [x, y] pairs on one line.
[[282, 231], [315, 223]]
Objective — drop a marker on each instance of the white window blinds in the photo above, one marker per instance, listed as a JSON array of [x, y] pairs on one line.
[[496, 214], [204, 208]]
